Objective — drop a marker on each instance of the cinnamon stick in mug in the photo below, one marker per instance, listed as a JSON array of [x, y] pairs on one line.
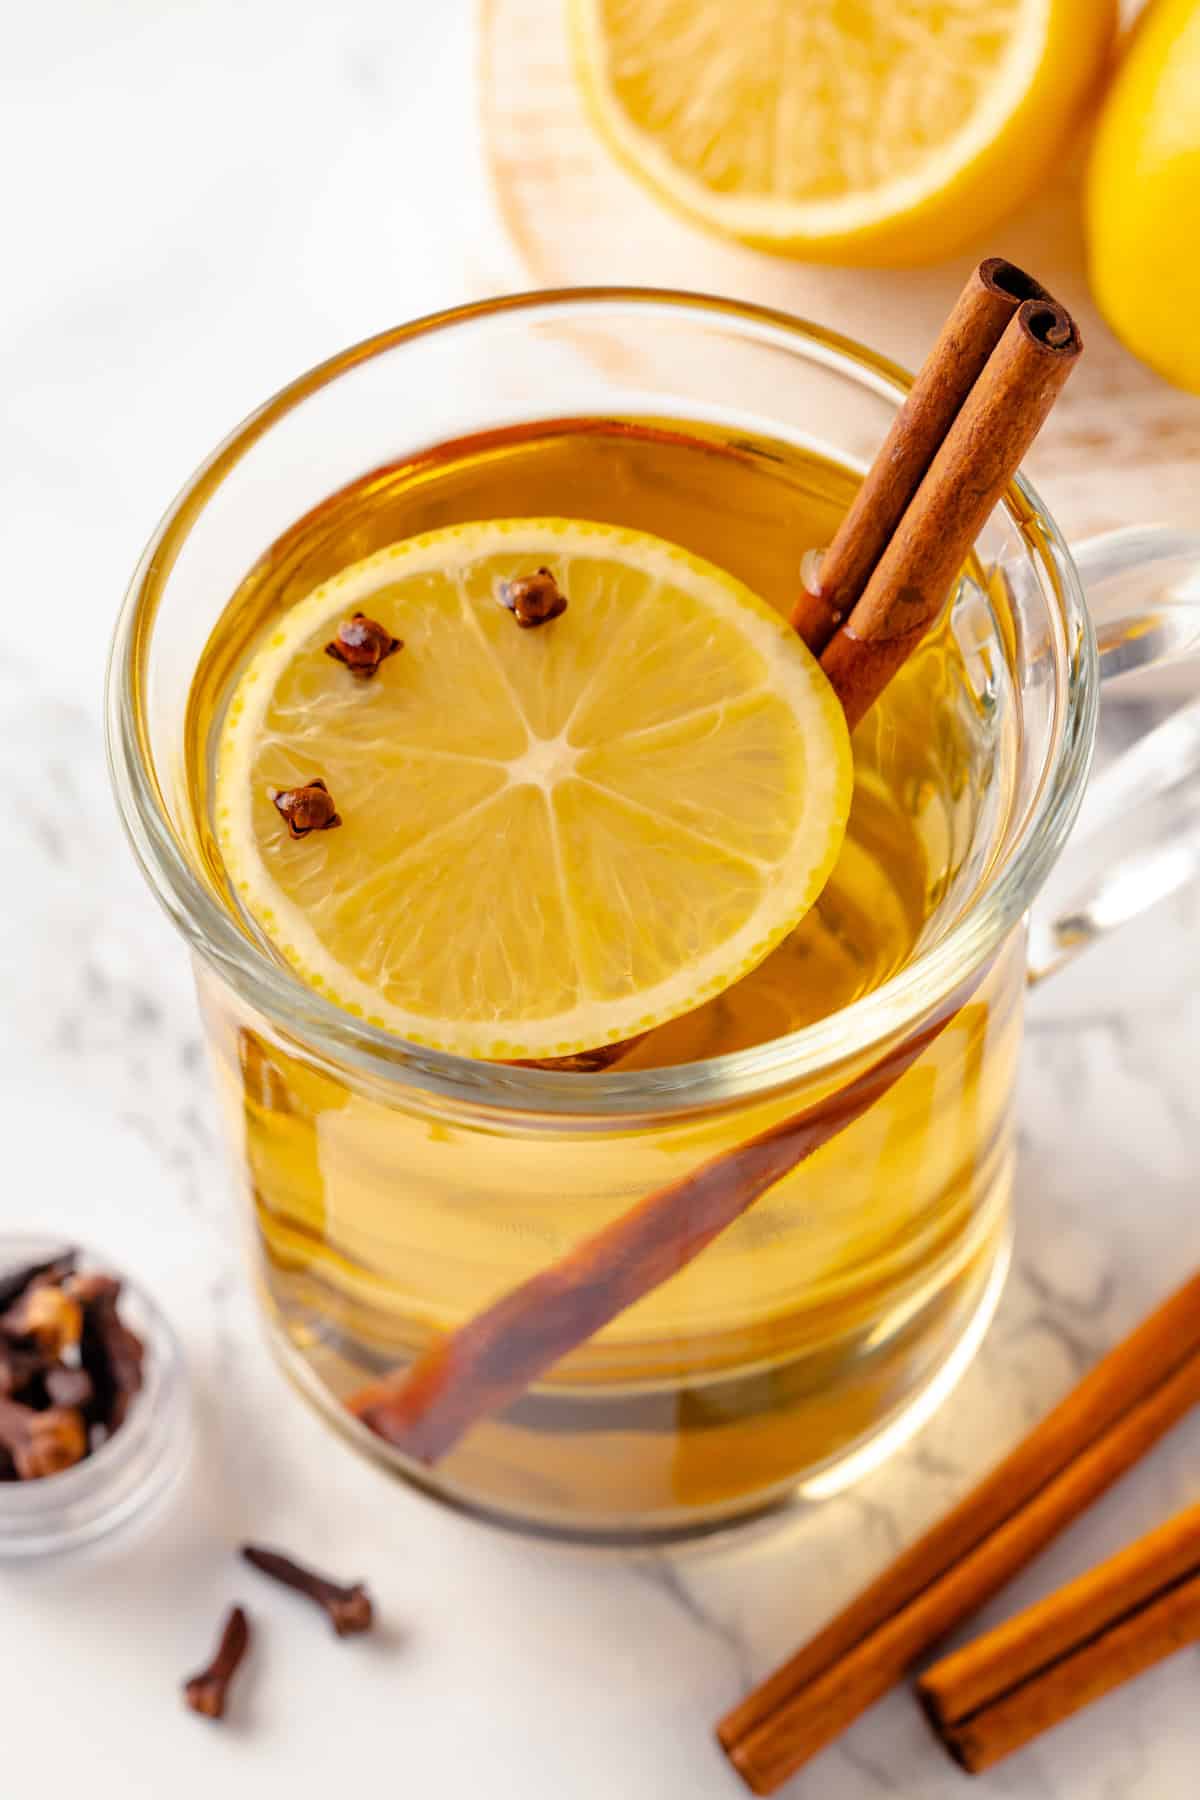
[[479, 1369], [993, 293], [992, 432]]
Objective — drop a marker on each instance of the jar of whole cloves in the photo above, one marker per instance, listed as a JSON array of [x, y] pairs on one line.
[[94, 1406]]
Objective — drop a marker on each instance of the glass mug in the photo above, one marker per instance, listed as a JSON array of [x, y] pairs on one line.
[[397, 1192]]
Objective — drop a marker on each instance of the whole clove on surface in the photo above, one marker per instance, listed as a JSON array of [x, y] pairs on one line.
[[208, 1692], [70, 1366], [348, 1608]]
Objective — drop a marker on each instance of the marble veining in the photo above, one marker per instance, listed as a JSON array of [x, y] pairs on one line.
[[184, 245]]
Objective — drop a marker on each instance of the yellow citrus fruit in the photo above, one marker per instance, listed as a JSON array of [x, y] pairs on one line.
[[551, 839], [1143, 194], [883, 131]]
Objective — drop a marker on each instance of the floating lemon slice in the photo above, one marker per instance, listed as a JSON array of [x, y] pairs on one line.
[[549, 839], [873, 132]]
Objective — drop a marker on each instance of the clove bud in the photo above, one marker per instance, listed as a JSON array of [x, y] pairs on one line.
[[47, 1317], [307, 808], [533, 599], [362, 644], [42, 1443], [109, 1352], [54, 1269], [349, 1609], [18, 1369]]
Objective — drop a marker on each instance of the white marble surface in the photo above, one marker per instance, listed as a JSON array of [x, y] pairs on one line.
[[201, 201]]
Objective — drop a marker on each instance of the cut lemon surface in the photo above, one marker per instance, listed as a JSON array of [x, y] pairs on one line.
[[841, 130], [550, 839]]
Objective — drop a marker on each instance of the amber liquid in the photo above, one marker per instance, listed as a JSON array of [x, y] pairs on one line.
[[385, 1218]]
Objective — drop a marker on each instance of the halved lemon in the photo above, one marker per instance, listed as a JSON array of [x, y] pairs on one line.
[[863, 131], [550, 839]]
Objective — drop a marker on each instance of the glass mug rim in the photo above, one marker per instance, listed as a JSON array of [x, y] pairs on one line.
[[301, 1014]]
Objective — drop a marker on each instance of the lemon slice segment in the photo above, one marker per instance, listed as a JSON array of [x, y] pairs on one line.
[[878, 131], [551, 839]]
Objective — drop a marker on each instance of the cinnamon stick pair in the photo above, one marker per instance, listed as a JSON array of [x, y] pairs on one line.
[[1106, 1425], [978, 403], [1059, 1656]]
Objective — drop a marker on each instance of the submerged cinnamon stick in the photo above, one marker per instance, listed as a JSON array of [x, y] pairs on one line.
[[476, 1371], [1110, 1420], [982, 450], [1057, 1657], [987, 303]]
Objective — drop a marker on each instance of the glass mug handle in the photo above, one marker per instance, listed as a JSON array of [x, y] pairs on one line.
[[1139, 840]]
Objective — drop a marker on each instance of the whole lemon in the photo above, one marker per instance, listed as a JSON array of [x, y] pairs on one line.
[[1143, 194]]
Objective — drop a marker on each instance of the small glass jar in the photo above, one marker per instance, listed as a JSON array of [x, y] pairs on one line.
[[136, 1467]]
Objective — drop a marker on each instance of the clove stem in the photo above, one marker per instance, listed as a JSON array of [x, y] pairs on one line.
[[349, 1609]]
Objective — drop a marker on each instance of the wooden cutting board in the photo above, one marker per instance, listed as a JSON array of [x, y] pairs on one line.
[[1122, 447]]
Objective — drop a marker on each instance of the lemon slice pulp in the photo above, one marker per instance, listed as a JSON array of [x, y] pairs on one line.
[[550, 839]]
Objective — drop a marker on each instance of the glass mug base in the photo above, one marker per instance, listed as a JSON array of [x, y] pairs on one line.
[[930, 1346]]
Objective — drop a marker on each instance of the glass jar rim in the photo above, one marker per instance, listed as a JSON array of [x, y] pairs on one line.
[[302, 1015]]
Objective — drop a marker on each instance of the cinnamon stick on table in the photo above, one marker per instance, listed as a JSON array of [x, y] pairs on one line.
[[987, 303], [1112, 1418], [1052, 1660]]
